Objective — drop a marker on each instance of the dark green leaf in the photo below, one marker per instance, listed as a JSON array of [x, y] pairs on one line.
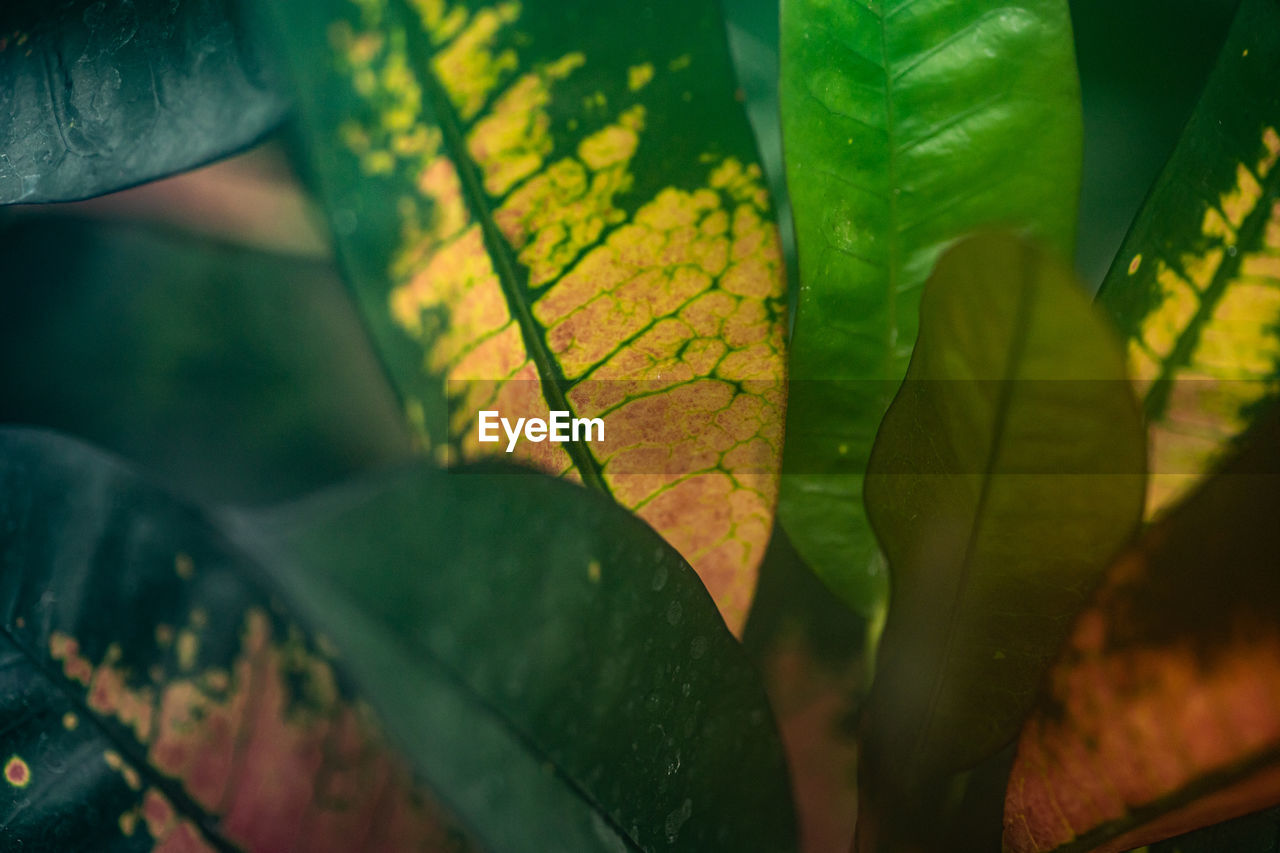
[[230, 374], [907, 124], [99, 95], [1006, 474], [1196, 287], [555, 205], [548, 660]]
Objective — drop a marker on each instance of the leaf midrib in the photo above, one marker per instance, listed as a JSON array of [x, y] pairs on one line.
[[1213, 782], [506, 269], [1004, 403]]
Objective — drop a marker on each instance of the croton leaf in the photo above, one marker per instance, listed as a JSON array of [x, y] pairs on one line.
[[1162, 713], [907, 124], [100, 96], [1005, 476], [230, 374], [164, 687], [608, 707], [1196, 287], [555, 206], [153, 696]]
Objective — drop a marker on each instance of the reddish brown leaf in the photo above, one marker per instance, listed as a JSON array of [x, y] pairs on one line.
[[1163, 712]]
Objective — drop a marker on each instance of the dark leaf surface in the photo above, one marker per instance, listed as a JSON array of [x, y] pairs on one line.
[[554, 695], [98, 96], [559, 670], [1255, 833]]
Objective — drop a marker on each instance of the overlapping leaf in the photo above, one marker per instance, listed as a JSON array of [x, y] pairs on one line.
[[610, 708], [100, 96], [907, 124], [163, 690], [1162, 714], [1196, 287], [555, 206], [1005, 476], [154, 698]]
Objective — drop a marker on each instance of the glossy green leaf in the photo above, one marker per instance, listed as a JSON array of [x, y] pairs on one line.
[[98, 96], [907, 125], [1006, 474], [229, 374], [555, 205], [1162, 712], [548, 664], [1196, 287]]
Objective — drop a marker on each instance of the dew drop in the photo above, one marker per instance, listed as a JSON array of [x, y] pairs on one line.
[[659, 579], [676, 819], [674, 613]]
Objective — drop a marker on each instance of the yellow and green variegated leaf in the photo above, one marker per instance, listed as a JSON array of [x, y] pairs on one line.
[[1196, 287], [557, 206]]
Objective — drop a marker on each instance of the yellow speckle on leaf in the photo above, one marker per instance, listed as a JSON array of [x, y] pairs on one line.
[[674, 300], [378, 163], [16, 772], [470, 67], [510, 141], [593, 571], [184, 566], [1135, 263], [188, 646], [70, 721], [638, 76]]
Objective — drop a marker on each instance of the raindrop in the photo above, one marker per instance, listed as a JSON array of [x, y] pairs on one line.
[[677, 819], [659, 578], [674, 613]]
